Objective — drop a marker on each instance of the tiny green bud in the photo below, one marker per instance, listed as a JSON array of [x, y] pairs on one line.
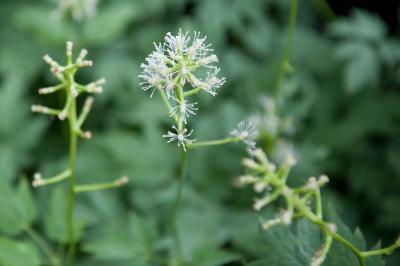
[[331, 227]]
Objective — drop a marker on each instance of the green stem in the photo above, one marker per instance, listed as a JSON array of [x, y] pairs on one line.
[[284, 62], [72, 155], [51, 180], [191, 92], [99, 186], [212, 142], [319, 222], [318, 203], [383, 251], [175, 209], [55, 261]]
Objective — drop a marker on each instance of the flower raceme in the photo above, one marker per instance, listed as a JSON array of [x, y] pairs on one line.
[[269, 181], [183, 66], [176, 62]]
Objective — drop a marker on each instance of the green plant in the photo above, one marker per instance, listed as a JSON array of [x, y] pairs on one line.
[[305, 201], [72, 89], [178, 69]]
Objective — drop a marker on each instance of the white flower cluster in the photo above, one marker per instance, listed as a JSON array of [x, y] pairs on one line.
[[180, 61], [246, 132], [181, 66], [79, 9]]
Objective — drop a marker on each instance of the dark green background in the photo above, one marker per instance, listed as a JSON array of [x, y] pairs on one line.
[[342, 94]]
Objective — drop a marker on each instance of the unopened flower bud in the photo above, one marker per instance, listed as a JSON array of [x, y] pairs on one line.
[[323, 179], [268, 224], [260, 187], [286, 217], [244, 180], [37, 180], [331, 227], [249, 163], [87, 134], [62, 115], [82, 55], [290, 160], [122, 181], [312, 183], [69, 48]]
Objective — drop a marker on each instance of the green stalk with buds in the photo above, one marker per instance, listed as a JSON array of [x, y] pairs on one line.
[[72, 89], [179, 69], [270, 182]]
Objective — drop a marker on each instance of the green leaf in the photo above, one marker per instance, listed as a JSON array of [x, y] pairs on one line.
[[17, 208], [26, 207], [290, 245], [109, 22], [361, 25], [56, 217], [124, 238], [338, 254], [18, 253], [361, 65]]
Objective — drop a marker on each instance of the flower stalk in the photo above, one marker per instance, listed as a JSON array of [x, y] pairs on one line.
[[270, 180], [72, 89], [182, 67]]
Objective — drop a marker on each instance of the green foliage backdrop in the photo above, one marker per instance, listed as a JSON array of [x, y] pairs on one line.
[[342, 95]]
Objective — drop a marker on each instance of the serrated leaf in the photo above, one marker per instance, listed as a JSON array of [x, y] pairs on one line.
[[56, 217], [126, 238], [18, 253], [340, 255], [361, 65], [17, 209], [26, 207], [287, 246], [361, 25]]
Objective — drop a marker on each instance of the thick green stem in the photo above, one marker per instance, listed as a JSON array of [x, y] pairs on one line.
[[284, 62], [72, 120], [175, 210], [55, 261]]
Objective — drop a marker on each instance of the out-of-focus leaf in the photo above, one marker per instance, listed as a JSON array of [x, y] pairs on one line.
[[128, 238], [56, 217], [362, 66], [361, 25], [18, 253], [109, 22], [340, 255], [17, 208], [286, 246]]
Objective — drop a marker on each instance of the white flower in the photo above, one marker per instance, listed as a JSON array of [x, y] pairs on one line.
[[183, 108], [181, 136], [177, 62], [246, 132], [79, 9]]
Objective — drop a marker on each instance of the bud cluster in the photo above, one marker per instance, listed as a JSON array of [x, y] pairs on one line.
[[65, 74], [269, 182]]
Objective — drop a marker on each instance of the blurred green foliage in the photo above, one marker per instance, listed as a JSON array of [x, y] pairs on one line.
[[342, 95]]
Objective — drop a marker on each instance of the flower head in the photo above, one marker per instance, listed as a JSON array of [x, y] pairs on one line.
[[181, 136], [183, 108], [178, 62], [246, 132]]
